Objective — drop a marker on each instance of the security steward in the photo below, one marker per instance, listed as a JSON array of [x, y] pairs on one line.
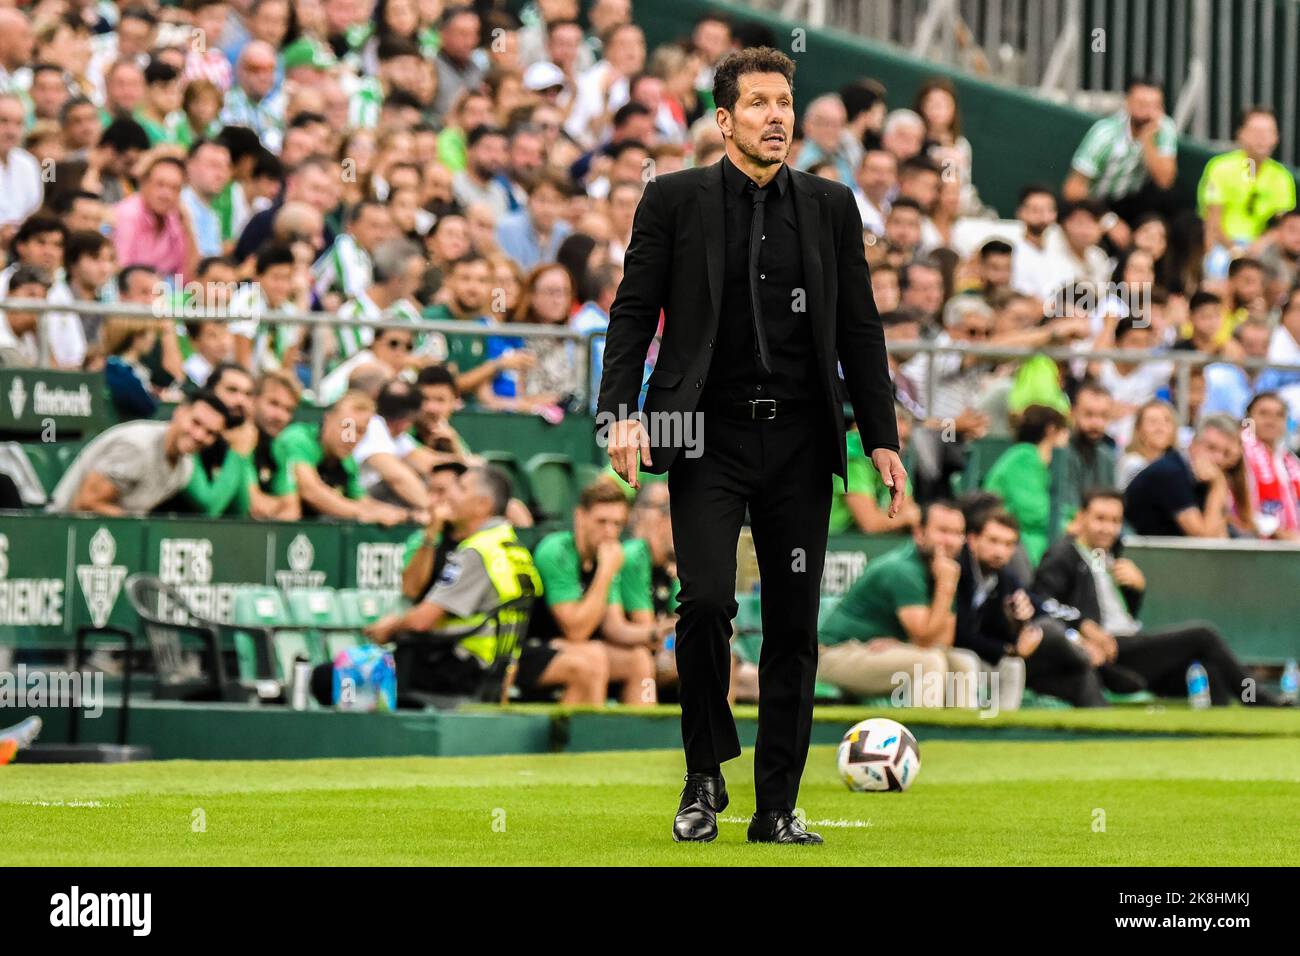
[[488, 568]]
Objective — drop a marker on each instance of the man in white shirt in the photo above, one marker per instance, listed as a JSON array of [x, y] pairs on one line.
[[387, 443], [604, 88], [21, 189], [877, 180], [136, 466], [1038, 267]]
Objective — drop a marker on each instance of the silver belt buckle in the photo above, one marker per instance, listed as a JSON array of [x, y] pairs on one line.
[[769, 409]]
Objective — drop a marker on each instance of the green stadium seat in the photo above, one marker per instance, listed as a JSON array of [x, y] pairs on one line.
[[65, 453], [554, 484], [360, 607], [507, 462], [585, 473], [264, 607], [980, 457], [321, 612]]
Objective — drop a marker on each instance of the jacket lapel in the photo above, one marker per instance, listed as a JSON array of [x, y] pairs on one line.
[[711, 216]]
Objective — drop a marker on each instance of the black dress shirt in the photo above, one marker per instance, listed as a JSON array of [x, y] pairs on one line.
[[736, 372]]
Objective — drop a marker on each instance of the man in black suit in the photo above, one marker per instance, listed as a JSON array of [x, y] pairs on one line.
[[760, 273]]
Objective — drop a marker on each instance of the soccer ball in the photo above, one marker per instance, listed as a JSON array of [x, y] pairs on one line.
[[878, 754]]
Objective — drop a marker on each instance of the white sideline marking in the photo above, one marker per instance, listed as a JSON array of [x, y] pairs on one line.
[[93, 804], [844, 824]]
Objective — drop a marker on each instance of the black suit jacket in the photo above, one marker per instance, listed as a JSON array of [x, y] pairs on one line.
[[1064, 576], [674, 262]]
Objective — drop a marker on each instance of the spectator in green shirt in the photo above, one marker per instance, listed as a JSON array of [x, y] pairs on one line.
[[1240, 191], [317, 464], [893, 631], [580, 571], [865, 505], [1022, 476], [649, 574]]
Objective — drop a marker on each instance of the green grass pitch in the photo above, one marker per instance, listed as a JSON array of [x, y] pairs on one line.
[[1204, 801]]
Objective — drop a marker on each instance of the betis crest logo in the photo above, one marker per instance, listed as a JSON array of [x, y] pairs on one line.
[[301, 556], [101, 580], [17, 397]]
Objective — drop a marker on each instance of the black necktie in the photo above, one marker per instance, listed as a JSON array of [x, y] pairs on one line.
[[755, 244]]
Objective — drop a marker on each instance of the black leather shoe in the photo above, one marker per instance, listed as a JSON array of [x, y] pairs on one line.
[[703, 798], [779, 826]]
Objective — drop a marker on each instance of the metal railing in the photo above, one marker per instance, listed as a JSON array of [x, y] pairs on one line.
[[1214, 56], [321, 323], [1184, 361]]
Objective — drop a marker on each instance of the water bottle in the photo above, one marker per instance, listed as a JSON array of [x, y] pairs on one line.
[[1198, 686], [1291, 681]]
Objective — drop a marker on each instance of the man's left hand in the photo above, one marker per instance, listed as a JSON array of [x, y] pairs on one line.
[[894, 475], [383, 629], [1127, 575]]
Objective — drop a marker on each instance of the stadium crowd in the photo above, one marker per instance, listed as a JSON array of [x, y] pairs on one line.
[[419, 159]]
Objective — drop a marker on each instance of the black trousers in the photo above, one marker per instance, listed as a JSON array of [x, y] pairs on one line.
[[1162, 657], [1061, 668], [781, 471]]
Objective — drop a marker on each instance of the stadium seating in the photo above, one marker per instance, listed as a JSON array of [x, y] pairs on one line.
[[554, 484]]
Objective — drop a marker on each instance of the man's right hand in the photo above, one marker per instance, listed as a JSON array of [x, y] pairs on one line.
[[946, 571], [609, 554], [629, 448]]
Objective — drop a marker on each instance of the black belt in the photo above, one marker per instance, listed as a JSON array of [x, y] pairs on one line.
[[758, 409]]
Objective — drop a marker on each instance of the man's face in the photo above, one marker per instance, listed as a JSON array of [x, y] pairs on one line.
[[460, 36], [48, 93], [236, 390], [995, 270], [94, 271], [1037, 212], [11, 124], [943, 533], [214, 343], [600, 523], [273, 410], [762, 123], [1145, 104], [198, 426], [994, 546], [712, 39], [439, 401], [1254, 340], [563, 43], [1269, 416], [209, 169], [488, 156], [1101, 522], [921, 185], [476, 111], [1207, 318], [1218, 447], [314, 186], [451, 240], [878, 173], [628, 166], [257, 72], [1248, 284], [125, 87], [133, 37], [442, 487], [904, 140], [1082, 229], [1092, 415], [626, 51], [277, 283], [80, 129], [161, 189], [393, 348], [903, 227], [43, 250], [373, 227], [470, 286], [342, 429], [924, 290], [526, 155], [468, 500], [1258, 135], [824, 124], [142, 287]]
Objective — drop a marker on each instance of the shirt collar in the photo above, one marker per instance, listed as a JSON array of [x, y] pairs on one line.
[[737, 182]]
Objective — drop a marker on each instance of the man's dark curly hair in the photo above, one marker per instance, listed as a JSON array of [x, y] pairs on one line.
[[756, 59]]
